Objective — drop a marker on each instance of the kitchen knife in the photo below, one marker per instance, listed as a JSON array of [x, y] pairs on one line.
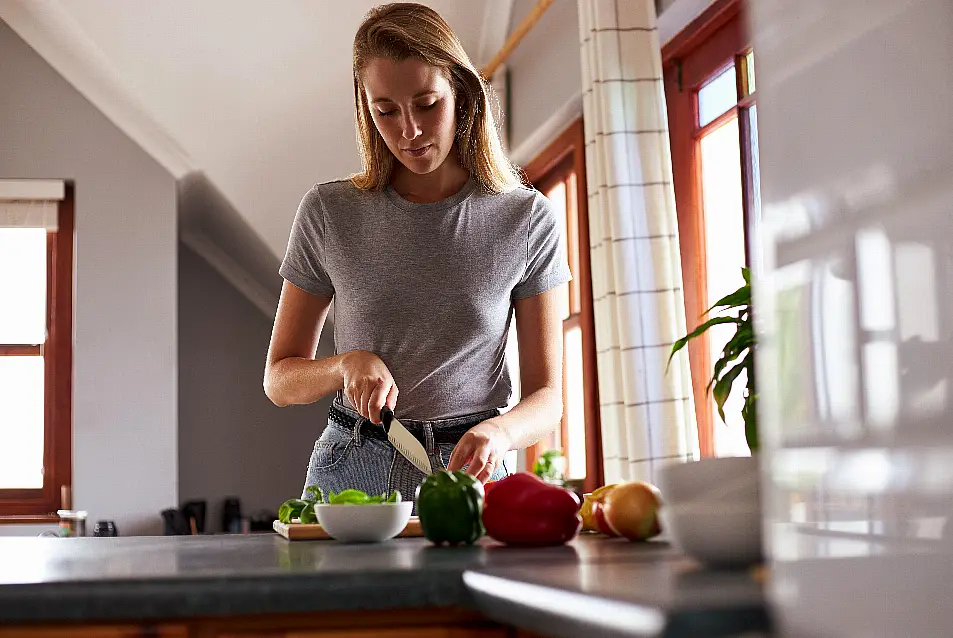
[[405, 442]]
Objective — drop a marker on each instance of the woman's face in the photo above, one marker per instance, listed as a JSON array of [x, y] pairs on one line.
[[414, 109]]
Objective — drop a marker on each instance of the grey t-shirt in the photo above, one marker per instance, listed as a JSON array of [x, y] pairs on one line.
[[428, 287]]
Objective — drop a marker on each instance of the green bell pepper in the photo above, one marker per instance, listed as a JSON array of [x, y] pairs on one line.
[[450, 506]]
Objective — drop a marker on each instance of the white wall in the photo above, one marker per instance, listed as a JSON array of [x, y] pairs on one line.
[[232, 440], [544, 70], [124, 378]]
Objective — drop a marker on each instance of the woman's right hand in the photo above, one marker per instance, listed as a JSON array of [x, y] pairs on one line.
[[368, 384]]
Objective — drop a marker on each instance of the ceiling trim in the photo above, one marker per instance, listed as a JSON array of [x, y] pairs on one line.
[[497, 15], [211, 226], [240, 279], [56, 36], [677, 16]]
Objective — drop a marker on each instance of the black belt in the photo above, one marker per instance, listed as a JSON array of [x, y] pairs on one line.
[[371, 430]]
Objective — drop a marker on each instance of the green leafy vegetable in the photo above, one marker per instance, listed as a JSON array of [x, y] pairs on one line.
[[308, 515], [291, 509], [357, 497], [303, 509], [349, 497]]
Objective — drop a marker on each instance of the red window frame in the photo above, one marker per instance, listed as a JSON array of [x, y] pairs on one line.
[[564, 157], [706, 47], [40, 505]]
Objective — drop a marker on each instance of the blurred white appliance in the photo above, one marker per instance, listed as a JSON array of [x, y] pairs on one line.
[[855, 101]]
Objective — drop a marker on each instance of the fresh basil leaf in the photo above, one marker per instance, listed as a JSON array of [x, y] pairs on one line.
[[291, 509], [313, 494], [308, 515], [350, 497]]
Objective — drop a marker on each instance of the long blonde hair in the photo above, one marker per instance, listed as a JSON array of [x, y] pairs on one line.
[[404, 30]]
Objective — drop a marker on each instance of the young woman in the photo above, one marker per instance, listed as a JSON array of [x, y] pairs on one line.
[[427, 254]]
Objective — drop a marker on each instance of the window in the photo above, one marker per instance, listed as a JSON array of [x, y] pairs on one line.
[[710, 90], [559, 173], [36, 254]]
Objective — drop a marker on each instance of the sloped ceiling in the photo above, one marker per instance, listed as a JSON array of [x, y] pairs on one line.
[[255, 95]]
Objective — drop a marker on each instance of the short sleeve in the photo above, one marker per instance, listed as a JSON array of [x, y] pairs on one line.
[[546, 264], [305, 262]]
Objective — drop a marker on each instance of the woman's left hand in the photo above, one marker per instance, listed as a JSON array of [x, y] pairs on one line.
[[482, 447]]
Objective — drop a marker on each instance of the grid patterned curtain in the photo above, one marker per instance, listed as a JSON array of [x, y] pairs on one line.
[[648, 415]]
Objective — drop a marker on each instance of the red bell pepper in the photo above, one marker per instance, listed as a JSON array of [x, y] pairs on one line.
[[522, 509]]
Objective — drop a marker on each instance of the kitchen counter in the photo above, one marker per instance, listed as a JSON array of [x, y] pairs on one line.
[[594, 585]]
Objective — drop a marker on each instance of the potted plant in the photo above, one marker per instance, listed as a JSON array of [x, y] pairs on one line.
[[545, 467], [712, 506], [741, 346]]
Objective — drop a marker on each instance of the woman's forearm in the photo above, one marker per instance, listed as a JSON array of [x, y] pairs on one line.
[[535, 416], [299, 381]]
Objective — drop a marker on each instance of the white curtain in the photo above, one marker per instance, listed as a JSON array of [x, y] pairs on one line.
[[647, 414]]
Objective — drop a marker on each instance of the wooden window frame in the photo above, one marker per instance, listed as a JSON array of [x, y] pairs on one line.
[[564, 156], [40, 505], [689, 60]]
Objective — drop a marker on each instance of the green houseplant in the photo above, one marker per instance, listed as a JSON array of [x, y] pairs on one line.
[[737, 355], [545, 466], [721, 493]]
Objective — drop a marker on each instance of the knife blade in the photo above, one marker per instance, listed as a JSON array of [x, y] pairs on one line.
[[405, 442]]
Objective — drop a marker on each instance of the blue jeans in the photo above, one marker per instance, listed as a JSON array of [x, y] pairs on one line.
[[350, 456]]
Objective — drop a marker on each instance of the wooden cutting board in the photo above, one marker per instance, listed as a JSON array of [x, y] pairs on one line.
[[314, 531]]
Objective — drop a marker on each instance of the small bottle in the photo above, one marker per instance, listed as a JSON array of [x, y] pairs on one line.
[[105, 528]]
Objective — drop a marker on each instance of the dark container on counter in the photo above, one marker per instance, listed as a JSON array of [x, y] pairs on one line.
[[232, 516], [105, 528]]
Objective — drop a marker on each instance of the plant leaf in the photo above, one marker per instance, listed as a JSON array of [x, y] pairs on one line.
[[721, 364], [723, 386], [678, 345], [740, 297], [750, 415], [742, 340], [746, 273]]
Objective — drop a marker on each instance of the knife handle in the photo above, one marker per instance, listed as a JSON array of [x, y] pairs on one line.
[[387, 415]]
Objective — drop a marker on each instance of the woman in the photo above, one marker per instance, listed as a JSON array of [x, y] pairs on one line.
[[427, 253]]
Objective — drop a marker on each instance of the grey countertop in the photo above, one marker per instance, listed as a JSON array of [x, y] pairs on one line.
[[606, 586]]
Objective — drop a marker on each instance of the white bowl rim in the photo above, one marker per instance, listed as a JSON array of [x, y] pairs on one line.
[[363, 505]]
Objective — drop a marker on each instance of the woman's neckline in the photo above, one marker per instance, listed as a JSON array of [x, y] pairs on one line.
[[442, 204]]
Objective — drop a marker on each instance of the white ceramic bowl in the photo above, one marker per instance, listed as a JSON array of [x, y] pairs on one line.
[[718, 534], [364, 523], [724, 479]]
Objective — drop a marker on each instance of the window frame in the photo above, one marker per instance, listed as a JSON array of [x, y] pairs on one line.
[[565, 156], [710, 44], [40, 505]]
